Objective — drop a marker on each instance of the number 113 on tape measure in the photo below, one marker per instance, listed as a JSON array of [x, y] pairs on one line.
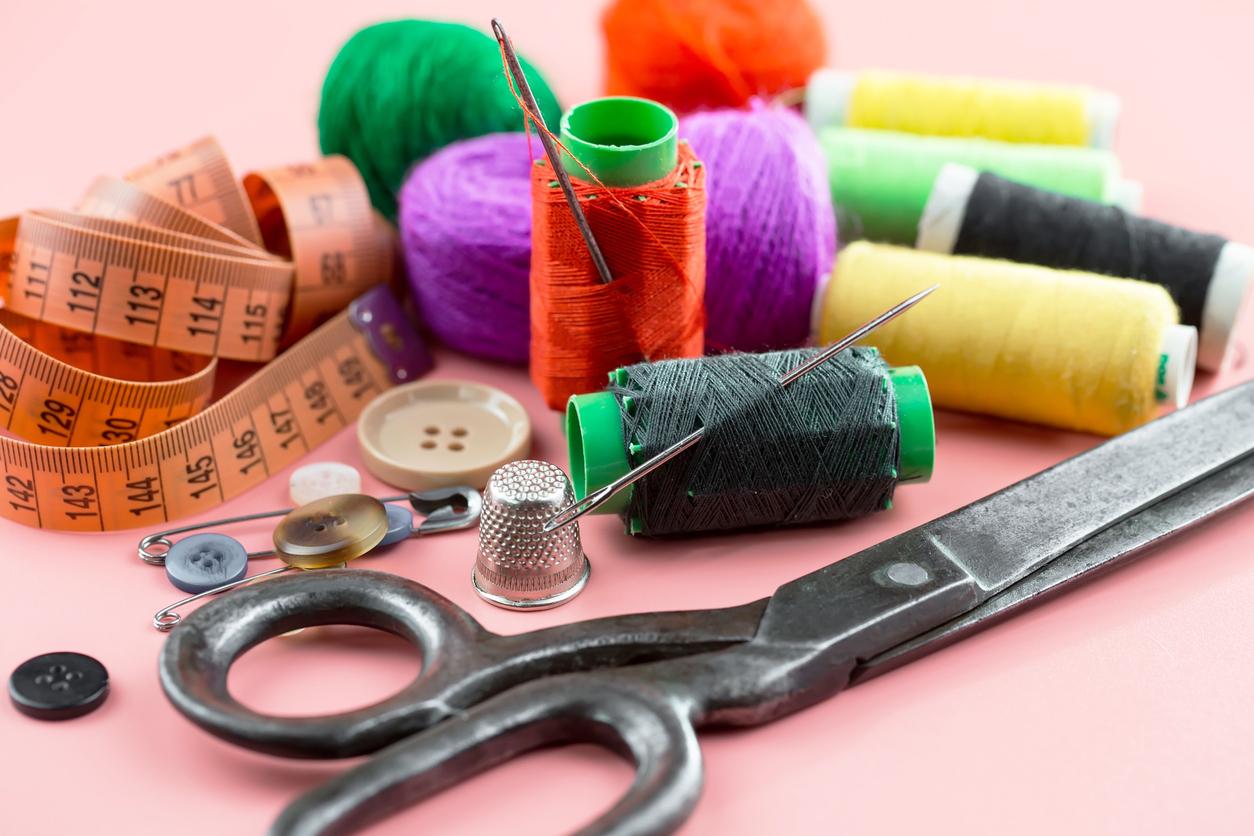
[[286, 409], [116, 316]]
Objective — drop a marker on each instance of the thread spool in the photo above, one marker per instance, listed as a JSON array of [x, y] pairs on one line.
[[698, 54], [881, 180], [465, 224], [831, 446], [1008, 111], [649, 219], [970, 213], [770, 230], [1061, 348], [398, 91]]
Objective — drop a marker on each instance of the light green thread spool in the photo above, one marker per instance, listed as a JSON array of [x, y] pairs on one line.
[[881, 180]]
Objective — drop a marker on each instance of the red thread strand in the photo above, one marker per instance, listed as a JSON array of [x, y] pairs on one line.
[[653, 237], [530, 117]]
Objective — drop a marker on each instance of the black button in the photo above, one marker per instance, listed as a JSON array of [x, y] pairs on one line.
[[58, 686]]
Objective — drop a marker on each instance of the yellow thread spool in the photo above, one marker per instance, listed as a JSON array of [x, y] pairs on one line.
[[963, 107], [1062, 348]]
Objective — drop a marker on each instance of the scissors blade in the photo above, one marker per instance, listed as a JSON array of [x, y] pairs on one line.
[[908, 585], [1005, 537], [1117, 545]]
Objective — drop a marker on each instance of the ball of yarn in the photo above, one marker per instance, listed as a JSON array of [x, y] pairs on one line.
[[398, 91], [693, 54], [770, 227], [465, 223]]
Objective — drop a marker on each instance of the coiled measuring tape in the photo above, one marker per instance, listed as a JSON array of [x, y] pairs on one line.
[[115, 316]]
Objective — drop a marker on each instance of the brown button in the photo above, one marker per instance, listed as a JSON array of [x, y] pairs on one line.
[[330, 531], [442, 433]]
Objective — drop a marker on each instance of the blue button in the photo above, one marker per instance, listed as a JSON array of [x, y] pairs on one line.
[[203, 562], [400, 524]]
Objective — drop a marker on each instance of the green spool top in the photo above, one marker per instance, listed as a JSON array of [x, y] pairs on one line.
[[623, 140], [594, 438]]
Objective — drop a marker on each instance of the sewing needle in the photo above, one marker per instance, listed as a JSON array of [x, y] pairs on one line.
[[550, 151], [599, 497]]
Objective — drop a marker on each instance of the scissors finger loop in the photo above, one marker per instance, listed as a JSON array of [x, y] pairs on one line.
[[197, 658], [626, 716]]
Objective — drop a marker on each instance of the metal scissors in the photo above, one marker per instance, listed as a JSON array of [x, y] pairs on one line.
[[642, 684]]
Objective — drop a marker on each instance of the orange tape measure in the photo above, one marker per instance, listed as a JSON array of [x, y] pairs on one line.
[[115, 317]]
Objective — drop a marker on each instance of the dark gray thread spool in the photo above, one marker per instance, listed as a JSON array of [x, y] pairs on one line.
[[982, 214], [823, 449]]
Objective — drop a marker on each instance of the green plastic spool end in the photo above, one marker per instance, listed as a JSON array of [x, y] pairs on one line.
[[623, 140], [594, 438], [918, 427]]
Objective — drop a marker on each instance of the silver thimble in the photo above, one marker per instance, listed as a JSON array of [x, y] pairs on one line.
[[520, 566]]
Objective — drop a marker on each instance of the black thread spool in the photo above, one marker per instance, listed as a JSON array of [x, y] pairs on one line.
[[833, 445], [982, 214]]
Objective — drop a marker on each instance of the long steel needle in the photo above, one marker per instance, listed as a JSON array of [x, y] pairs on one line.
[[550, 151], [599, 497]]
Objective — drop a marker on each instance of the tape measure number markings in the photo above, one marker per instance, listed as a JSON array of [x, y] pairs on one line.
[[151, 273], [199, 179], [285, 410]]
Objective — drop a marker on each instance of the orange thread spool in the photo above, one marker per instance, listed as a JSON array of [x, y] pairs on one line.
[[653, 237], [694, 54]]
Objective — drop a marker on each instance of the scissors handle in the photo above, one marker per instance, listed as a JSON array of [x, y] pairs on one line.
[[623, 714], [462, 663]]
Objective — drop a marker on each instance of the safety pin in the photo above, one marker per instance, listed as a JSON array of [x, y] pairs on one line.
[[420, 501], [599, 497], [441, 509]]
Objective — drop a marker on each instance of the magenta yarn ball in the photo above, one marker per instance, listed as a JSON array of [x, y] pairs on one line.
[[770, 228], [465, 225]]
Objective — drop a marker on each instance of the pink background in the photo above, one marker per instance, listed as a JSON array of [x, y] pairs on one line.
[[1122, 708]]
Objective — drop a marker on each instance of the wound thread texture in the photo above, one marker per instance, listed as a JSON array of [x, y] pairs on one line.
[[823, 449], [465, 223], [653, 237], [398, 91], [770, 230], [1066, 349], [694, 54], [937, 106], [1004, 219], [880, 180]]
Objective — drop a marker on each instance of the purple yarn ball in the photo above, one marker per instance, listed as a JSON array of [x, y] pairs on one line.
[[770, 228], [465, 223]]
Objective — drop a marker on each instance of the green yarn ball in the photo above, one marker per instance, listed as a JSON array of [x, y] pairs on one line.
[[401, 90]]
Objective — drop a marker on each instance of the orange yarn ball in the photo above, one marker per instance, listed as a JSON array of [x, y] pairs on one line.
[[695, 54]]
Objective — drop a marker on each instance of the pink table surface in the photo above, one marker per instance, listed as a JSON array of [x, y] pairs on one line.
[[1121, 708]]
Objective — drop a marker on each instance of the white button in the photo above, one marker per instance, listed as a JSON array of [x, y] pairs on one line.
[[322, 479]]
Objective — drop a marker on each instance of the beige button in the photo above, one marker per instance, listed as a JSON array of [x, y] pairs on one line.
[[441, 433]]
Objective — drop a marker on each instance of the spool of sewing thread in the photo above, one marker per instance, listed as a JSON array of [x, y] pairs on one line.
[[465, 222], [970, 213], [770, 231], [881, 180], [398, 91], [1008, 111], [831, 446], [648, 216], [700, 54], [1061, 348]]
